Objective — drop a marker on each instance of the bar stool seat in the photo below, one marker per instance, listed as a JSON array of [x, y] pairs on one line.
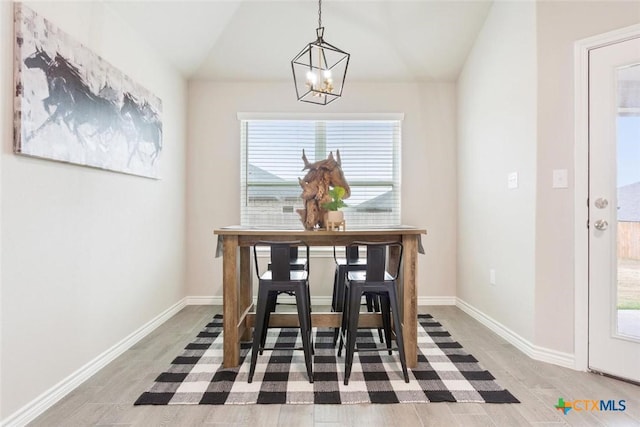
[[281, 278], [361, 276]]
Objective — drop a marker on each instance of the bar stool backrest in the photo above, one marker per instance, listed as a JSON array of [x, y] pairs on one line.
[[376, 262], [281, 254], [352, 253], [377, 254], [293, 252], [280, 265]]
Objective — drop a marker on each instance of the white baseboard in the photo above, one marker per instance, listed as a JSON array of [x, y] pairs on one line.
[[203, 300], [321, 300], [566, 360], [37, 406], [436, 301]]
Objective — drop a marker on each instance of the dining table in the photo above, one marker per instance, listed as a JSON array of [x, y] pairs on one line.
[[234, 246]]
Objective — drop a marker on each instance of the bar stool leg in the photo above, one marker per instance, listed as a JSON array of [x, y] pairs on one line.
[[258, 330], [339, 290], [308, 293], [369, 301], [355, 295], [302, 299], [344, 319], [386, 319], [334, 295], [393, 299], [373, 306], [377, 308], [272, 300]]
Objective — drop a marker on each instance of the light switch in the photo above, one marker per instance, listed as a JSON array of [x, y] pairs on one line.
[[512, 180], [560, 178]]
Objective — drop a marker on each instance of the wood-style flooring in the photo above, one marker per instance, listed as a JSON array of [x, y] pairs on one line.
[[107, 398]]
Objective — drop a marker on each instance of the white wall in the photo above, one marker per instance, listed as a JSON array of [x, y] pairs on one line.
[[497, 136], [560, 24], [88, 256], [6, 114], [428, 170]]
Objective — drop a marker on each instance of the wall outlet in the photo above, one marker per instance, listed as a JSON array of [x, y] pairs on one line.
[[492, 276], [512, 180]]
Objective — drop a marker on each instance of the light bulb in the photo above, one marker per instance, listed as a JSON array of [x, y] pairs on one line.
[[311, 77], [327, 74]]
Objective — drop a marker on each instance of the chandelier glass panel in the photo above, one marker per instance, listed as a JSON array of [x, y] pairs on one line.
[[320, 69]]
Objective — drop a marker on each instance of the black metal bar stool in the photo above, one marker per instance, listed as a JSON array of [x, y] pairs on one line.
[[281, 278], [351, 262], [375, 279]]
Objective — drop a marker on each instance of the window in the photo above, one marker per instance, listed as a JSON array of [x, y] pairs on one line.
[[272, 163]]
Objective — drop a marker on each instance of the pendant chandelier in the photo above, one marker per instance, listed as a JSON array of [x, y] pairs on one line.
[[320, 69]]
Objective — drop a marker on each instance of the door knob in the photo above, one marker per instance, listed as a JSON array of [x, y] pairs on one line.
[[601, 203], [601, 224]]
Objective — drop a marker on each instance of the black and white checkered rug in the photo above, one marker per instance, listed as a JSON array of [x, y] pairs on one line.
[[445, 373]]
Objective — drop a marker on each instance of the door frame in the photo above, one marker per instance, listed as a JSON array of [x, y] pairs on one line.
[[581, 179]]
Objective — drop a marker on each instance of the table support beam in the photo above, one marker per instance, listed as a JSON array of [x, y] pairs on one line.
[[230, 296], [410, 299]]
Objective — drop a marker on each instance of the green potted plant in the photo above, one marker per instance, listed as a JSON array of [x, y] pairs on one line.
[[334, 215]]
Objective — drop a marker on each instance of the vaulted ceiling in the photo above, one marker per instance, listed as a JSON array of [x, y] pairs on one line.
[[252, 40]]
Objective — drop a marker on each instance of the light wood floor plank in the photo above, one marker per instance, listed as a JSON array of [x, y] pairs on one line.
[[467, 409], [474, 420], [435, 415], [296, 416], [383, 416], [506, 415]]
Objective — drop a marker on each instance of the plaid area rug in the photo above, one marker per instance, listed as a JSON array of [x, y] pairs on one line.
[[445, 372]]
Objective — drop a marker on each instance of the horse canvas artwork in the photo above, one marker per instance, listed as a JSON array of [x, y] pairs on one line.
[[73, 106]]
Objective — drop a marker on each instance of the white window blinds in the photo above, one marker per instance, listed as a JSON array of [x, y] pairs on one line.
[[272, 163]]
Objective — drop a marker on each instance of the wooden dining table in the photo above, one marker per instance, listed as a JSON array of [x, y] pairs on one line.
[[234, 245]]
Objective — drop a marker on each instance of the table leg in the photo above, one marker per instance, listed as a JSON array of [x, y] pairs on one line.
[[246, 287], [410, 299], [231, 356]]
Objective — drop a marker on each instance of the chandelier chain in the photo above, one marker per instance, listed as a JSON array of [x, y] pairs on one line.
[[319, 13]]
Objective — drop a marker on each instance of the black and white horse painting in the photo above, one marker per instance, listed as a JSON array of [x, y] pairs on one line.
[[72, 106]]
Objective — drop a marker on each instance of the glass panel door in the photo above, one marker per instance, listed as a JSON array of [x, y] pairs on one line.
[[628, 212], [614, 209]]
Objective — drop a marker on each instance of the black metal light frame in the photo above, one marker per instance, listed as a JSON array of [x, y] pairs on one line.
[[317, 67]]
